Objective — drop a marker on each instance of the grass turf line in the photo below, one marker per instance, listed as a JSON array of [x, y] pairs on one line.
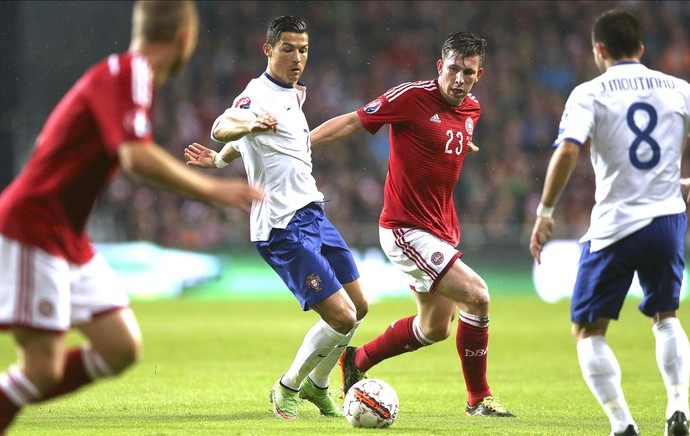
[[208, 367]]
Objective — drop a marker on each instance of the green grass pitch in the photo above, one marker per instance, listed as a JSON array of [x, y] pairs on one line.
[[208, 367]]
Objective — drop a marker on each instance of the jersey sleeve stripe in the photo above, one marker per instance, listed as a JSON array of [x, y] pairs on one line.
[[142, 92], [401, 89]]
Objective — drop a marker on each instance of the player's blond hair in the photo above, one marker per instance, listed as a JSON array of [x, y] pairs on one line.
[[160, 20]]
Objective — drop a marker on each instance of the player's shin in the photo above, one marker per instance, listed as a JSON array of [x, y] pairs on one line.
[[321, 374], [471, 341]]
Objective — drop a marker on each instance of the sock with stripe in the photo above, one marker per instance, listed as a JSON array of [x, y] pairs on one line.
[[472, 344], [402, 336], [16, 391], [83, 366]]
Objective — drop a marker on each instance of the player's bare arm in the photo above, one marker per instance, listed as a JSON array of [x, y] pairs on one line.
[[229, 129], [157, 167], [203, 157], [560, 169], [336, 128]]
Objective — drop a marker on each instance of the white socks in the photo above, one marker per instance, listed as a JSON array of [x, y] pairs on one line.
[[673, 358], [602, 374], [318, 343], [321, 375]]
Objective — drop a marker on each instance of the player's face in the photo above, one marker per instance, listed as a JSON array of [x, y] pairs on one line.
[[456, 77], [288, 57]]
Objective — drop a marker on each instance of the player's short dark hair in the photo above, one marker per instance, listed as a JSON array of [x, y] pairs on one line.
[[464, 43], [619, 31], [284, 24], [160, 20]]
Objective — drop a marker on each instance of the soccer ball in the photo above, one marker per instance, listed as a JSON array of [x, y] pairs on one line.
[[371, 403]]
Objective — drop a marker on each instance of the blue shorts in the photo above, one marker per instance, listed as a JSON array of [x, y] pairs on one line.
[[310, 256], [656, 252]]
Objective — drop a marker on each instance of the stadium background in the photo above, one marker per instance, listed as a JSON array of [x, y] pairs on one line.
[[537, 52]]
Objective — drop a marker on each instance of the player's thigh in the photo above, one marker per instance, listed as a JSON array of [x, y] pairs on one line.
[[100, 309], [116, 336], [356, 293], [435, 315], [467, 288]]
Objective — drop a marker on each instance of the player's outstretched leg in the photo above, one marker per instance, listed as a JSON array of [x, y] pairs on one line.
[[677, 425], [351, 374], [489, 406], [285, 402], [319, 397]]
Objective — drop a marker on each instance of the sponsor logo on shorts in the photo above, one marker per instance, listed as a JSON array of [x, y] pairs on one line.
[[437, 258], [314, 282], [45, 308]]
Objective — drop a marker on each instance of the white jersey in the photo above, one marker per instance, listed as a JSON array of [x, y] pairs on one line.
[[279, 162], [638, 121]]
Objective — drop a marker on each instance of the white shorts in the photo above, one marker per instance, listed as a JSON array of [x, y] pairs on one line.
[[43, 291], [418, 253]]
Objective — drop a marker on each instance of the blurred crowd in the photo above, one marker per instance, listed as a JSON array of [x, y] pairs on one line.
[[537, 53]]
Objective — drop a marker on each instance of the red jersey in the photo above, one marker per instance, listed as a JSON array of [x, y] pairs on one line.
[[429, 140], [49, 203]]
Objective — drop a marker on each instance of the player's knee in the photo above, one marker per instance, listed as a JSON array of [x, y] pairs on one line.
[[437, 333], [125, 355], [343, 322], [362, 310]]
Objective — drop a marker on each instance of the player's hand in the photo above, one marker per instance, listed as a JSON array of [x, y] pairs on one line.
[[472, 148], [236, 194], [263, 123], [541, 234], [199, 156]]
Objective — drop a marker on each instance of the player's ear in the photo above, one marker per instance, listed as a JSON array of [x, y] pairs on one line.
[[439, 66], [268, 50], [641, 50], [480, 72], [601, 49]]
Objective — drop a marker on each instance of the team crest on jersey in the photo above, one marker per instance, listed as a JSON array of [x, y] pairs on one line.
[[437, 258], [469, 126], [243, 103], [314, 282], [373, 106]]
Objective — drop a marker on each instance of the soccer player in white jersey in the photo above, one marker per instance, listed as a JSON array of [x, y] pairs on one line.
[[267, 127], [637, 121], [431, 127]]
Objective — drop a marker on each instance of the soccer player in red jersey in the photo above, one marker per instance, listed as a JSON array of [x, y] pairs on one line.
[[50, 276], [431, 128]]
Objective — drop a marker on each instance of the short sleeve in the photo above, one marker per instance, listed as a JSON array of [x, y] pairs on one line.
[[120, 98], [383, 111], [578, 117]]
